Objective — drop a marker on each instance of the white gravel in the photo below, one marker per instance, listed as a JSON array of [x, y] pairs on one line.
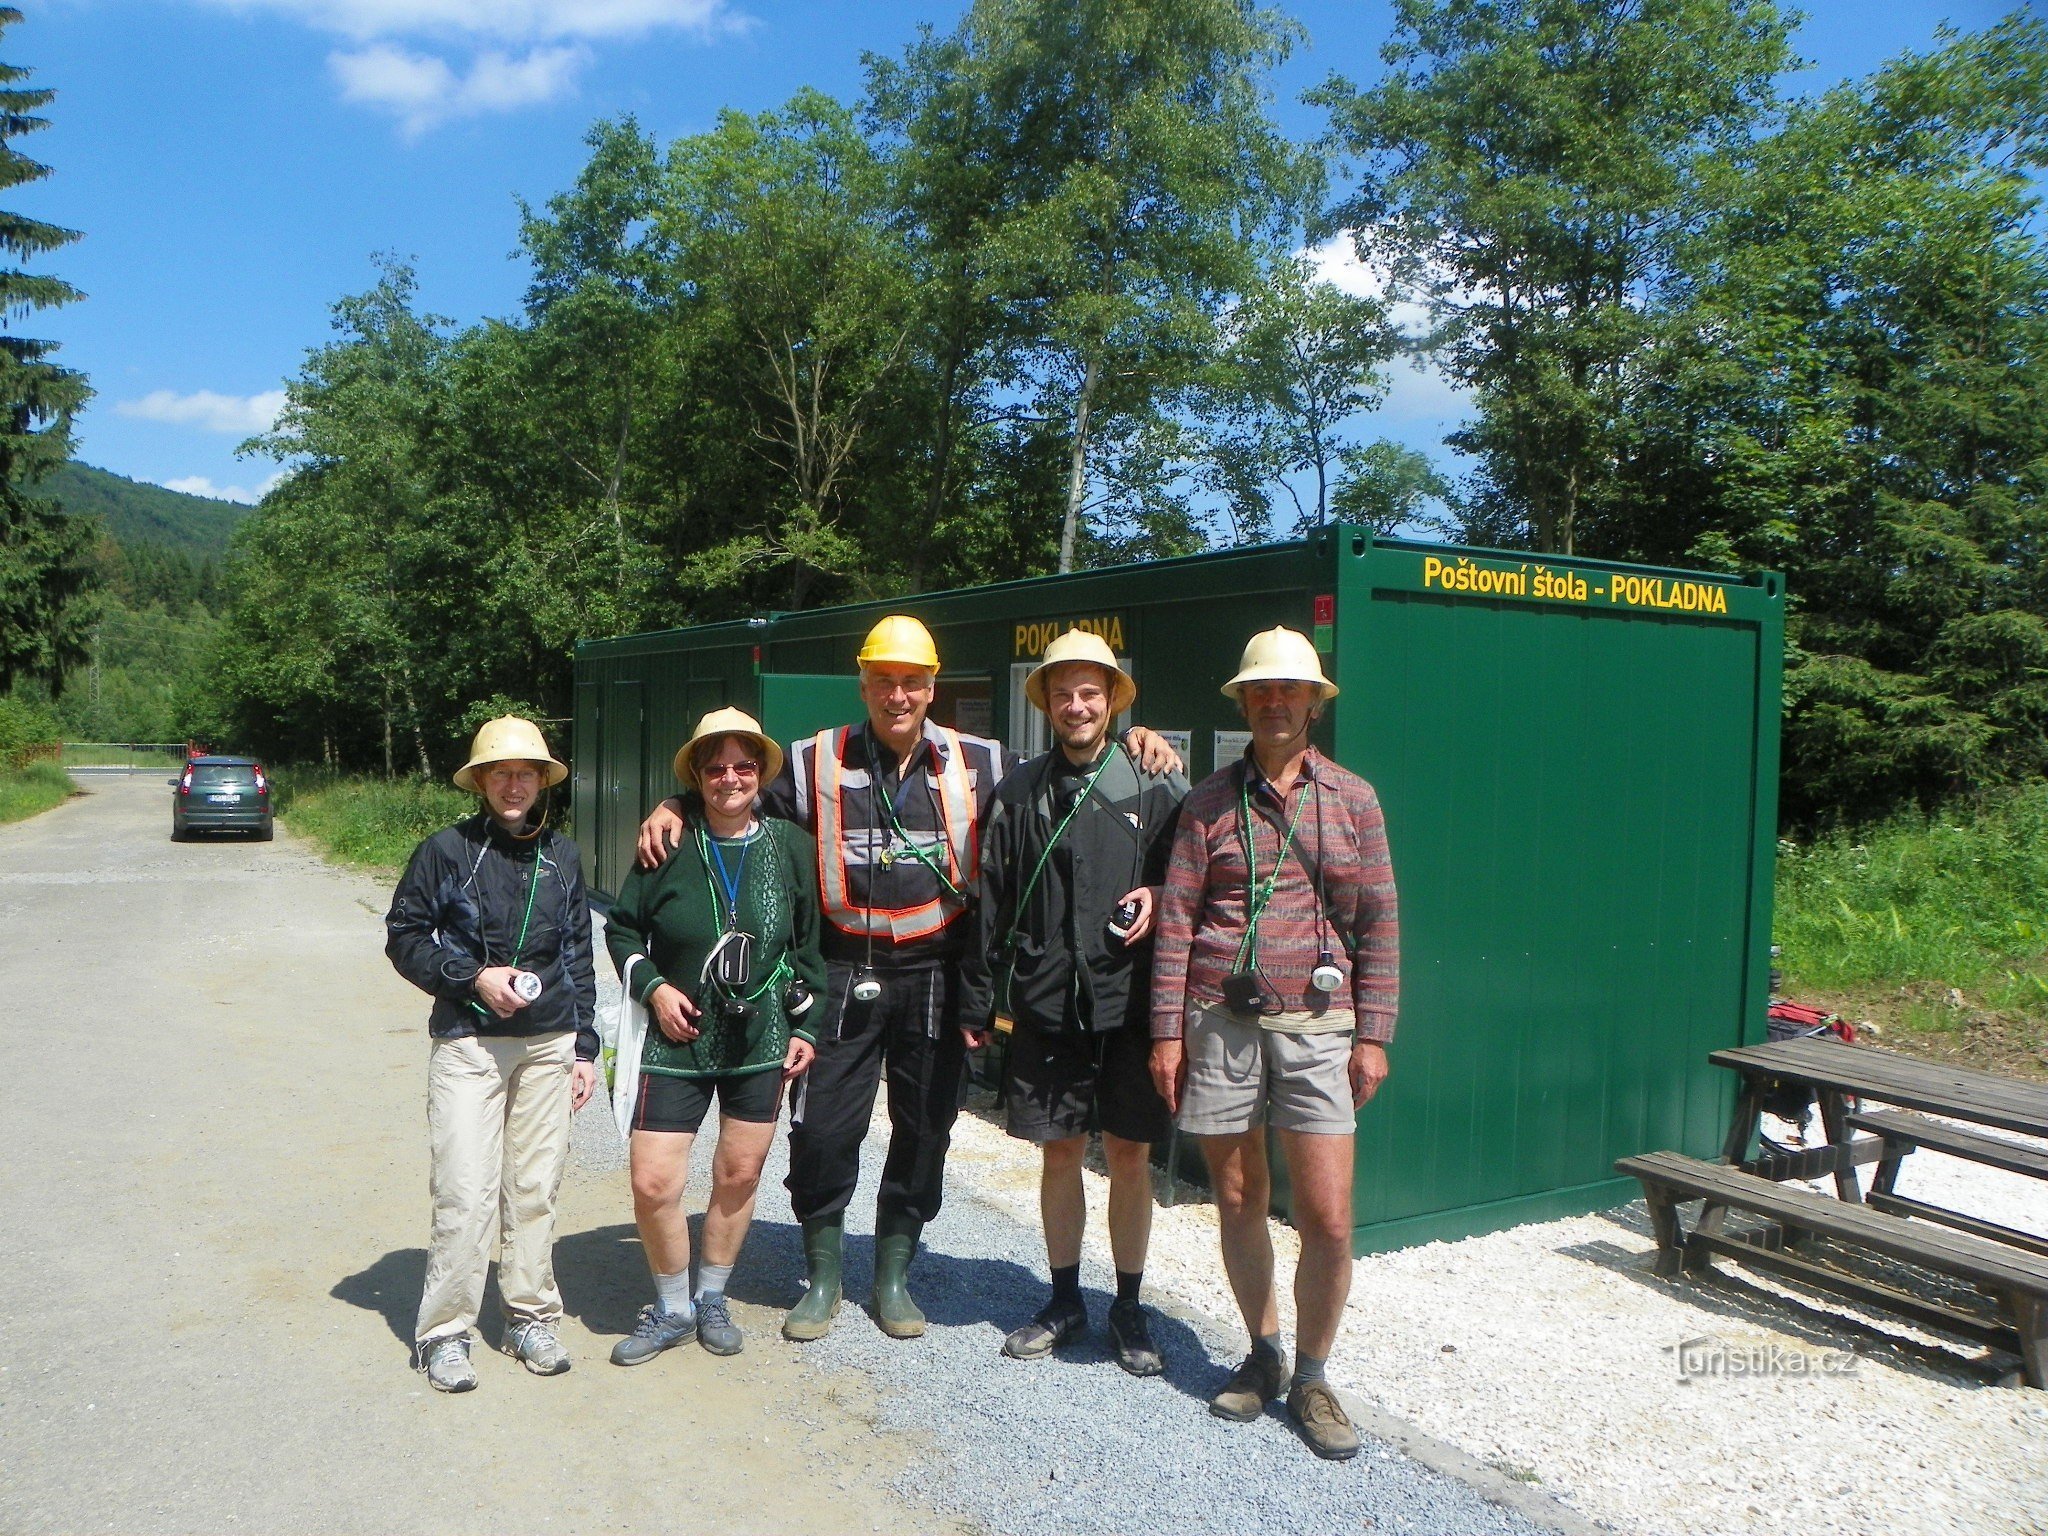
[[1547, 1353]]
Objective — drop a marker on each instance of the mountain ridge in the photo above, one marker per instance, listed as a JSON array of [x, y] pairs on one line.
[[136, 512]]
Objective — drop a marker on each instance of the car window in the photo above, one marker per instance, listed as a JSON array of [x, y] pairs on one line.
[[211, 774]]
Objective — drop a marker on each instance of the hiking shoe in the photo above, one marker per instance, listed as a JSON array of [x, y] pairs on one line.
[[1322, 1420], [1059, 1322], [535, 1346], [657, 1330], [1130, 1336], [1251, 1386], [716, 1330], [446, 1362]]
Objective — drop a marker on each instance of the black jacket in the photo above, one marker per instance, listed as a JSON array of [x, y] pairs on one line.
[[1068, 972], [459, 907]]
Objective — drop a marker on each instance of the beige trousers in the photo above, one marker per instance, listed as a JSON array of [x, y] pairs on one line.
[[498, 1129]]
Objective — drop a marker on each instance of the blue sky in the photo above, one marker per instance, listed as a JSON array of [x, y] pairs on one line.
[[234, 164]]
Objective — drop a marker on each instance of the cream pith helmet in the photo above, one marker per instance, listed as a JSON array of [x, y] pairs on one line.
[[1280, 655], [900, 639], [508, 739], [1080, 645], [730, 722]]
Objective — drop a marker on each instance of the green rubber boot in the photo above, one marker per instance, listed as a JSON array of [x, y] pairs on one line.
[[811, 1317], [895, 1245]]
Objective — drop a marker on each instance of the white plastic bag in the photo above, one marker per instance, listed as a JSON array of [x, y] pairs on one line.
[[620, 1051]]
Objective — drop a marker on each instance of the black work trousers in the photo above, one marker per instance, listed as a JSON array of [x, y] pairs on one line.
[[911, 1033]]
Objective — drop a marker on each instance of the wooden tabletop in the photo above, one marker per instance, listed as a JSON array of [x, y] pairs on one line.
[[1965, 1093]]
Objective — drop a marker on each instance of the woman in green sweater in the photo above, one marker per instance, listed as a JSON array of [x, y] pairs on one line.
[[721, 946]]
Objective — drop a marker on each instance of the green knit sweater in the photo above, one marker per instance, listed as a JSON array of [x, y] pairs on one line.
[[673, 915]]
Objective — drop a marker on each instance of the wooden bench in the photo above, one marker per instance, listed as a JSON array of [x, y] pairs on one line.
[[2015, 1281], [1899, 1133]]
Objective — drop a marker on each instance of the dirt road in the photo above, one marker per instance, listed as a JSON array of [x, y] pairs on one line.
[[212, 1208]]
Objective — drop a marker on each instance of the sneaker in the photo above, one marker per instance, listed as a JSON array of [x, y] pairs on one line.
[[446, 1362], [657, 1330], [1059, 1322], [1130, 1336], [1322, 1420], [1251, 1386], [716, 1330], [535, 1346]]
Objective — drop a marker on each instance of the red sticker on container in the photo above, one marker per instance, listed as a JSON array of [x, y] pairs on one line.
[[1326, 608]]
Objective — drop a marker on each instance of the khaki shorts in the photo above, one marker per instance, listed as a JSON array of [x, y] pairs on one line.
[[1241, 1075]]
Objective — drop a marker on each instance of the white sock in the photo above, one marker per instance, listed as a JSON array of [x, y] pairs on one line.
[[674, 1291], [712, 1277]]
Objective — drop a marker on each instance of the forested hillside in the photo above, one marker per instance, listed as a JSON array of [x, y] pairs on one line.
[[158, 557]]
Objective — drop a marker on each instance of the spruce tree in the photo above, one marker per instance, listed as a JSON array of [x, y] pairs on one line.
[[45, 571]]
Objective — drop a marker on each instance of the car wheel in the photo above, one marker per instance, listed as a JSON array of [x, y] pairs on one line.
[[265, 833], [177, 833]]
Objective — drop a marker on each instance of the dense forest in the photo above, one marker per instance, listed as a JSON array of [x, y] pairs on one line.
[[1046, 295]]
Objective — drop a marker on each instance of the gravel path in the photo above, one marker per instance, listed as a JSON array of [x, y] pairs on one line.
[[1546, 1355]]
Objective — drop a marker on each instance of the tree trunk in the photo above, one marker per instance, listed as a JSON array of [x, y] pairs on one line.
[[390, 771], [1077, 471]]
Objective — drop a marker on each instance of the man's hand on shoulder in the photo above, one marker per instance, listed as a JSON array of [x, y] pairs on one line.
[[660, 833], [1154, 753]]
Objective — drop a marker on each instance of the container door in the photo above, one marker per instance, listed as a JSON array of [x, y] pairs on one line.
[[621, 797]]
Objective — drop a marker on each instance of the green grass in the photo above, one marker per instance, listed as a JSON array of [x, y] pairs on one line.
[[367, 822], [33, 789], [1920, 908]]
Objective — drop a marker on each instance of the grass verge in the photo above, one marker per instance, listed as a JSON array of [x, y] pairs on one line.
[[32, 789], [1933, 928], [369, 823]]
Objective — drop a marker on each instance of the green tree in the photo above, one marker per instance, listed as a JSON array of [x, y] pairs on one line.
[[1527, 168], [45, 558]]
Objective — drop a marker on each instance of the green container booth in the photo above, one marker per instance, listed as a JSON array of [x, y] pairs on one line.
[[1578, 762]]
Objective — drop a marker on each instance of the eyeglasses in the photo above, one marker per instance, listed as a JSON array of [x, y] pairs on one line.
[[741, 770]]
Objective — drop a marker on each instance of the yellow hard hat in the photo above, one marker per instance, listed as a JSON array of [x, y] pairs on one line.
[[1080, 645], [1280, 655], [508, 739], [901, 639]]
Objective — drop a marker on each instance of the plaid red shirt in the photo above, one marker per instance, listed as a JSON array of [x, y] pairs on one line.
[[1202, 914]]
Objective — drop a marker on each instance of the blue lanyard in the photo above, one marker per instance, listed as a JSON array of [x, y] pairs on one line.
[[731, 881]]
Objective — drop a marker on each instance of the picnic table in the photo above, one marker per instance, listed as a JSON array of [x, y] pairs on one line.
[[2007, 1266]]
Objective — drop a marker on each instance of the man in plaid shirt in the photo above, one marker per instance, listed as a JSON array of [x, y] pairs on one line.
[[1274, 987]]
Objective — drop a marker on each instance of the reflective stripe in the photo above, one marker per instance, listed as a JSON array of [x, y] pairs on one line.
[[962, 844]]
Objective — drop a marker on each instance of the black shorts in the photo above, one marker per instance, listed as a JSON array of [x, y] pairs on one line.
[[680, 1103], [1071, 1082]]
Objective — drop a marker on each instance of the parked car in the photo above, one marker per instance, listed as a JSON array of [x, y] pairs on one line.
[[221, 794]]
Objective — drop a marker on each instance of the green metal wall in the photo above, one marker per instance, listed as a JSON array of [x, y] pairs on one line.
[[1578, 763]]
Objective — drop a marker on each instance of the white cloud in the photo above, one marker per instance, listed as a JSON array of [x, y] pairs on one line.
[[1417, 391], [421, 90], [200, 485], [237, 414], [500, 21]]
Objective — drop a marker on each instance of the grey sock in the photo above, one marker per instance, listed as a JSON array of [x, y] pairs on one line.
[[1268, 1344], [1309, 1367], [674, 1293], [712, 1278]]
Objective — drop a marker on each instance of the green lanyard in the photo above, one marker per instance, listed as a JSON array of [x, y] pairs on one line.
[[1259, 893], [889, 810], [518, 944], [1044, 854]]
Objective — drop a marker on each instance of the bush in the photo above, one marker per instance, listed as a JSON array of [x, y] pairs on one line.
[[1955, 900], [27, 732], [375, 823]]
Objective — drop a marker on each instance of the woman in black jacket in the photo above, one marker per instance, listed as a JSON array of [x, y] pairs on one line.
[[491, 919], [721, 945]]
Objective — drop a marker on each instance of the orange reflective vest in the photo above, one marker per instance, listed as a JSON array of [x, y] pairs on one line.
[[962, 845]]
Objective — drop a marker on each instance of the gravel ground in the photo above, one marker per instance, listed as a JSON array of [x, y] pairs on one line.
[[1546, 1354]]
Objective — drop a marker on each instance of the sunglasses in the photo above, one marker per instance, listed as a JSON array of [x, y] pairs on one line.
[[745, 769]]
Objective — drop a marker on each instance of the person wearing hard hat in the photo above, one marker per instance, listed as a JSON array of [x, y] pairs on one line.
[[721, 946], [491, 920], [1274, 985], [1075, 851], [896, 804]]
